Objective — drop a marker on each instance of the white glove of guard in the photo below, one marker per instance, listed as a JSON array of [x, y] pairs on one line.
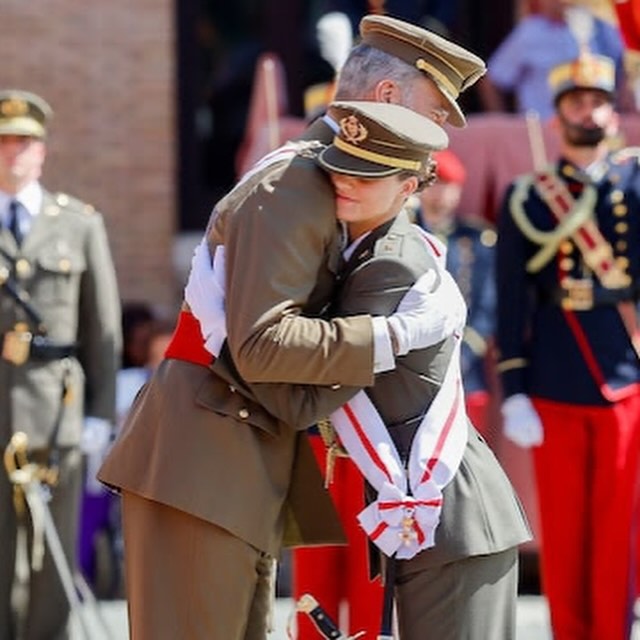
[[204, 294], [425, 317], [522, 423], [95, 442]]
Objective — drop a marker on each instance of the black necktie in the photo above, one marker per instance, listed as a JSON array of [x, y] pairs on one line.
[[14, 221]]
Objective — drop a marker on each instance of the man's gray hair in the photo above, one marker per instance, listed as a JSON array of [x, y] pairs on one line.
[[366, 66]]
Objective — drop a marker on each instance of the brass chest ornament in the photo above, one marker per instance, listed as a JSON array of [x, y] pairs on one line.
[[408, 533]]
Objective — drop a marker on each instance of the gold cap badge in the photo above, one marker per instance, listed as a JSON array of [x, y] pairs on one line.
[[352, 129]]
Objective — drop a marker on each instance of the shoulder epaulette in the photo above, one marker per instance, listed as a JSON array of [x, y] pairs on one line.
[[389, 245], [65, 201]]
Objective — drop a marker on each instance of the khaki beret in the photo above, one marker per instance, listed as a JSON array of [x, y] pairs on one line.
[[23, 113], [588, 71], [377, 139], [449, 65]]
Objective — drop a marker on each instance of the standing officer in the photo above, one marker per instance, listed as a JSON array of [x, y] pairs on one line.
[[568, 264], [60, 337], [471, 261]]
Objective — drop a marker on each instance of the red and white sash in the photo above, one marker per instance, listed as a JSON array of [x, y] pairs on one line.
[[404, 517]]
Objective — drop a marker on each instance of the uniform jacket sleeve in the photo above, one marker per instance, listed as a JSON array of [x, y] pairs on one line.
[[377, 288], [513, 301], [277, 242]]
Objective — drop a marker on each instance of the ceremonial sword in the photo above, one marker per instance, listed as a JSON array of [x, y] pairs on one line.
[[27, 479]]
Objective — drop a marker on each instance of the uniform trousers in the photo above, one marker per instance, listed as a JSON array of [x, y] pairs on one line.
[[338, 576], [469, 599], [587, 480], [47, 609], [188, 578]]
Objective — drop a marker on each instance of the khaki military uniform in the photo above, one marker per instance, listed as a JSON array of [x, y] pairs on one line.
[[198, 441], [65, 266], [465, 586]]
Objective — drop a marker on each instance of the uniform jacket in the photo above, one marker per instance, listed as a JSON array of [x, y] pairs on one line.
[[197, 439], [471, 262], [481, 513], [65, 266], [539, 352]]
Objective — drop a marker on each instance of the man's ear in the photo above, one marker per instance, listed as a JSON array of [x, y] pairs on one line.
[[387, 91]]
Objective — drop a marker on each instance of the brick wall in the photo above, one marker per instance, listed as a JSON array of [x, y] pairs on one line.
[[107, 69]]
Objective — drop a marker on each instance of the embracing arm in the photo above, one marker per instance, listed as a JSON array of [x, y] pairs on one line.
[[376, 290], [277, 242]]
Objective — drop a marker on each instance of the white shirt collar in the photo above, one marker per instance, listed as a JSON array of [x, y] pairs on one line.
[[30, 197], [331, 123]]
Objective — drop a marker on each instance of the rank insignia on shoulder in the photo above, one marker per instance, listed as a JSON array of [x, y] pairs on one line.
[[69, 202]]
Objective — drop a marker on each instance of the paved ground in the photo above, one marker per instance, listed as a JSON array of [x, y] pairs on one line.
[[532, 621]]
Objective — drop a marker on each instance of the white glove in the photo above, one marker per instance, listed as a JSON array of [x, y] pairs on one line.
[[95, 442], [425, 316], [522, 423], [204, 294]]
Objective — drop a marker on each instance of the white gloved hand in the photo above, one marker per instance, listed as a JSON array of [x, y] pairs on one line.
[[95, 442], [522, 423], [424, 316], [204, 294]]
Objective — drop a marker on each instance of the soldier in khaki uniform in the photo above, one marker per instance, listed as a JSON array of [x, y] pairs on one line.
[[60, 339], [213, 483]]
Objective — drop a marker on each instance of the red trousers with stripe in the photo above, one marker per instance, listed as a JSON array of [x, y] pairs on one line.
[[587, 482], [338, 576]]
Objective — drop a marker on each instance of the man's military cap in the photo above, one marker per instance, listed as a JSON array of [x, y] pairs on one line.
[[588, 71], [376, 139], [23, 113], [449, 65]]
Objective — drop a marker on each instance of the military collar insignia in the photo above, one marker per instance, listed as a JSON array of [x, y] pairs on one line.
[[352, 130]]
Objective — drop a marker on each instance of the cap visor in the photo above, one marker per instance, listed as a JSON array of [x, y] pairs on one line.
[[21, 127], [333, 159], [456, 117]]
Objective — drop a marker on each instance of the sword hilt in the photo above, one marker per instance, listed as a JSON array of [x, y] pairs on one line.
[[20, 470], [325, 625]]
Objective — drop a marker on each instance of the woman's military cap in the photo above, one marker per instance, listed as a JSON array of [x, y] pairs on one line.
[[588, 71], [23, 113], [376, 139], [449, 65]]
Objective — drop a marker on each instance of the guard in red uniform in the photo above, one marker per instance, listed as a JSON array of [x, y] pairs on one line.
[[568, 268]]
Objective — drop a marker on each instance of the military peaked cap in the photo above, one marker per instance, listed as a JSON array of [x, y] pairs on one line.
[[23, 113], [376, 139], [449, 65]]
